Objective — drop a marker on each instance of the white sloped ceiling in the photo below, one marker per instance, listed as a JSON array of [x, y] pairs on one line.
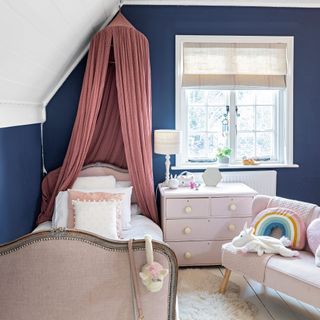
[[41, 41]]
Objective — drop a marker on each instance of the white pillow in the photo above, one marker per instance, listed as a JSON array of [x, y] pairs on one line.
[[317, 257], [135, 209], [98, 217], [124, 183], [126, 209], [60, 213], [94, 183]]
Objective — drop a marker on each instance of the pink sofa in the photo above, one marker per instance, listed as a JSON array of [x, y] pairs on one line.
[[298, 277]]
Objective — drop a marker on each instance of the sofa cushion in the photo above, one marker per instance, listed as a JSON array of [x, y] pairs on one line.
[[246, 263], [297, 276], [307, 211], [313, 234], [283, 221]]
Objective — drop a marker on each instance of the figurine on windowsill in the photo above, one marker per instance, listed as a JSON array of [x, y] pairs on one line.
[[249, 161]]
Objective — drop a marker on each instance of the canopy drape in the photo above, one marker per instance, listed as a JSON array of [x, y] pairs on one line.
[[113, 122]]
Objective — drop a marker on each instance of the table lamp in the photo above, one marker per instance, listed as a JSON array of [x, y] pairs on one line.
[[167, 142]]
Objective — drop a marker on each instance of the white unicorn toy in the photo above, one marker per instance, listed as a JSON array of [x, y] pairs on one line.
[[247, 241]]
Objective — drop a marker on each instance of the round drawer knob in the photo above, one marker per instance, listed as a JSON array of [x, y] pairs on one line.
[[187, 230], [232, 207], [188, 255], [188, 209], [231, 227]]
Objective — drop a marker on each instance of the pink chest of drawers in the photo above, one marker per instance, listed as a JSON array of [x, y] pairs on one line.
[[196, 223]]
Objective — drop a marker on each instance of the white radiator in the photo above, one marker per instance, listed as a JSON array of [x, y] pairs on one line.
[[264, 182]]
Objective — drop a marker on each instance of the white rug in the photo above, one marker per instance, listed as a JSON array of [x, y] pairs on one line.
[[199, 298]]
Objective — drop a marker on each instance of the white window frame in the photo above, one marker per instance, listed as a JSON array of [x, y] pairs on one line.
[[286, 133]]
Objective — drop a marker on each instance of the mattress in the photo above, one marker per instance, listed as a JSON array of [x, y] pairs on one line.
[[140, 226]]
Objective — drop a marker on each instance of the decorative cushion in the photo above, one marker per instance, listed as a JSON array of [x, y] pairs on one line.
[[278, 222], [313, 234], [126, 184], [126, 205], [97, 217], [61, 210], [92, 197], [94, 183]]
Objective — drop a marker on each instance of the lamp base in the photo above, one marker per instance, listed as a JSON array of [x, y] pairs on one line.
[[167, 163]]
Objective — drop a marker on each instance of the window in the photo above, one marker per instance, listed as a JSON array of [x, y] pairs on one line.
[[234, 92]]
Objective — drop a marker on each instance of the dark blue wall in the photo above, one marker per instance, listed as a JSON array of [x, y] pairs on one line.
[[61, 112], [160, 24], [20, 177]]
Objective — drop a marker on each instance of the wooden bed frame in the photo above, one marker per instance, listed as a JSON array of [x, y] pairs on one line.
[[74, 275], [67, 274]]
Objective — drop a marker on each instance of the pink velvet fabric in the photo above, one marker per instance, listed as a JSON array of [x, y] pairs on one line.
[[113, 122]]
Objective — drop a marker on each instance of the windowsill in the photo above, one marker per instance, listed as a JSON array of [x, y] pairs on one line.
[[235, 166]]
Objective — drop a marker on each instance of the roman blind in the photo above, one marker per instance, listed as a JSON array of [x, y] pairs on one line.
[[261, 65]]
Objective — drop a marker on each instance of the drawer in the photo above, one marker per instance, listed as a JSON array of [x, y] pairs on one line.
[[184, 208], [227, 229], [231, 207], [197, 252], [204, 229]]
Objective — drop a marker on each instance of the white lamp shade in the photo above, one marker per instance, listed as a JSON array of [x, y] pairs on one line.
[[167, 141]]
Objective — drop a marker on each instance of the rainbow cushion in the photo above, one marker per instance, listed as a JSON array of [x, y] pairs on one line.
[[279, 222]]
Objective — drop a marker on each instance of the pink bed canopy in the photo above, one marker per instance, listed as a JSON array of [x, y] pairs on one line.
[[113, 122]]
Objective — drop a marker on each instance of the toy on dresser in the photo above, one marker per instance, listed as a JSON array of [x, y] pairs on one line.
[[185, 178], [247, 241]]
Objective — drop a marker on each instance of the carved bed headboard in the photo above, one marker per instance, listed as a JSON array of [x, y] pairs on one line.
[[106, 169]]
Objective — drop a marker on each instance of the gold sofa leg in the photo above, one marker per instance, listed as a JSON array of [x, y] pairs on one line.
[[225, 281]]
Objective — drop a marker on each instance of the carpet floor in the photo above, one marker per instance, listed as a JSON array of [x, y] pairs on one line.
[[199, 299]]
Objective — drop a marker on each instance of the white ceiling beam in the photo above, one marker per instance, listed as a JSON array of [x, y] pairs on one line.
[[21, 113], [237, 3]]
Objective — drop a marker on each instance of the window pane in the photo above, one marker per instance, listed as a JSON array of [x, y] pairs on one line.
[[217, 97], [197, 146], [265, 97], [197, 118], [245, 97], [264, 118], [215, 117], [196, 97], [215, 141], [245, 145], [212, 144], [264, 144], [245, 119]]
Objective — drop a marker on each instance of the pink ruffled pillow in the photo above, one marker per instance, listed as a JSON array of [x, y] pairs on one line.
[[313, 235]]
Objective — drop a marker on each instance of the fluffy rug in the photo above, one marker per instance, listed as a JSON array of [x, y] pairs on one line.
[[199, 298]]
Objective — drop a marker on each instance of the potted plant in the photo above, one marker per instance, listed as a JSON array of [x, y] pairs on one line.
[[223, 155]]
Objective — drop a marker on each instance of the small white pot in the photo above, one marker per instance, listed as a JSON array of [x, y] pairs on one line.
[[173, 183]]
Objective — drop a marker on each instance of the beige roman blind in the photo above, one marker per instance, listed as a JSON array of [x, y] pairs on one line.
[[261, 65]]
